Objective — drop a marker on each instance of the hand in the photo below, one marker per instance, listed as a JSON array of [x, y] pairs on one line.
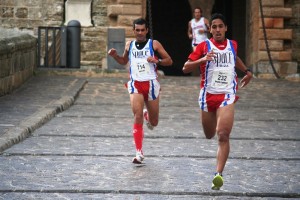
[[246, 79], [152, 60], [112, 52], [201, 31], [209, 56]]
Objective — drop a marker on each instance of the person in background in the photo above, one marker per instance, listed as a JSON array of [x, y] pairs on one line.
[[198, 28]]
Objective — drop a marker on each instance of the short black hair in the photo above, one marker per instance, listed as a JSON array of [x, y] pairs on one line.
[[199, 8], [218, 16], [140, 21]]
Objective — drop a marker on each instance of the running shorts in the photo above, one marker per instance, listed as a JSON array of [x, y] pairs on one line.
[[211, 102], [149, 89]]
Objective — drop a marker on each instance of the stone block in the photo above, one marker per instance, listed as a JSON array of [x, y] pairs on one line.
[[87, 56], [288, 68], [126, 20], [5, 85], [88, 45], [274, 45], [22, 13], [129, 1], [264, 67], [269, 22], [114, 10], [276, 56], [273, 3], [272, 23], [129, 32], [6, 12], [277, 12], [79, 10], [132, 10], [278, 23], [277, 34]]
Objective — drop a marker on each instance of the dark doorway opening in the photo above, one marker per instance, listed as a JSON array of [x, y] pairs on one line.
[[170, 21]]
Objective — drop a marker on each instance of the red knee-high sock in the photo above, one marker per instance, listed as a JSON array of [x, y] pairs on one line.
[[138, 135]]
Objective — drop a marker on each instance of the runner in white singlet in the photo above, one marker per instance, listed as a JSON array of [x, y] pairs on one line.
[[198, 28], [143, 85], [217, 60]]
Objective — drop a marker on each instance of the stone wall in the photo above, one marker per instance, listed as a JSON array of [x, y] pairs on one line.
[[282, 26], [17, 59], [277, 19]]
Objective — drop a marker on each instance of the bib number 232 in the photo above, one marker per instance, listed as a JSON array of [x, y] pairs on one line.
[[221, 79]]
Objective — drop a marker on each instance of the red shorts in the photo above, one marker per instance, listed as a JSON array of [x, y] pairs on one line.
[[149, 89], [211, 102]]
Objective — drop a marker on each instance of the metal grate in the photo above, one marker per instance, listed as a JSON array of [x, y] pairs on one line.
[[51, 47]]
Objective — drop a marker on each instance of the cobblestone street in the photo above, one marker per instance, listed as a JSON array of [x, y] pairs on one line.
[[69, 137]]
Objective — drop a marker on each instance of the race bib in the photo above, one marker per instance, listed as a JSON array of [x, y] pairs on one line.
[[142, 67], [221, 78]]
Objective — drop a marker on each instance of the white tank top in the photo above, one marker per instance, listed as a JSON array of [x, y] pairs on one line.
[[196, 26], [140, 69], [220, 73]]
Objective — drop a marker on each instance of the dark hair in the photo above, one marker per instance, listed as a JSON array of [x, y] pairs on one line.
[[140, 21], [199, 8], [218, 16]]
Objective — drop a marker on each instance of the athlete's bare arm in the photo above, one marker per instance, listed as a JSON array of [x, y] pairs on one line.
[[190, 66], [190, 33], [165, 60], [122, 60], [241, 66]]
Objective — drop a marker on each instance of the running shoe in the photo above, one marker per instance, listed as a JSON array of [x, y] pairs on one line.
[[139, 157], [150, 127], [217, 182]]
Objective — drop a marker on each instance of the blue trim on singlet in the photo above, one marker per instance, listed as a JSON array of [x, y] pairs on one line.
[[151, 47], [206, 73], [129, 55], [234, 80]]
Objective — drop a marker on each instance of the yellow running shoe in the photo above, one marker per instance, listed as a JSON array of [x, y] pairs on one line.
[[217, 182]]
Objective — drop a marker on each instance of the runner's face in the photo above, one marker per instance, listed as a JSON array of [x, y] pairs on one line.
[[140, 32], [197, 13], [218, 30]]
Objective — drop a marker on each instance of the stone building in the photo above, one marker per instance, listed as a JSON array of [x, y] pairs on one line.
[[169, 21]]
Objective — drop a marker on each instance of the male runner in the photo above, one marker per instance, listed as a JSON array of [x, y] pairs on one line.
[[143, 86]]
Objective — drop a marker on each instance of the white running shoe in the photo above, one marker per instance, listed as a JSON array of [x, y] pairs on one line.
[[145, 112], [139, 157]]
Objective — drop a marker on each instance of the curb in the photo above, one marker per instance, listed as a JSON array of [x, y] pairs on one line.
[[37, 119]]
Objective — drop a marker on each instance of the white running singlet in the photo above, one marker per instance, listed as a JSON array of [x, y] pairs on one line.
[[197, 36], [220, 73], [140, 69]]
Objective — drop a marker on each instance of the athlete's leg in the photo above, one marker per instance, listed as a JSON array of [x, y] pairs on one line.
[[153, 111], [137, 105], [225, 117], [209, 123]]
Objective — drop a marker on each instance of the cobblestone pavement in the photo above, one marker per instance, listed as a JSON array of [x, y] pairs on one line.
[[69, 137]]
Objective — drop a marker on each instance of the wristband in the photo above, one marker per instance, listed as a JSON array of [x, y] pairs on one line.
[[247, 70]]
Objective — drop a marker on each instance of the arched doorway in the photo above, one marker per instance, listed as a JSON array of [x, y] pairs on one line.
[[170, 21]]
